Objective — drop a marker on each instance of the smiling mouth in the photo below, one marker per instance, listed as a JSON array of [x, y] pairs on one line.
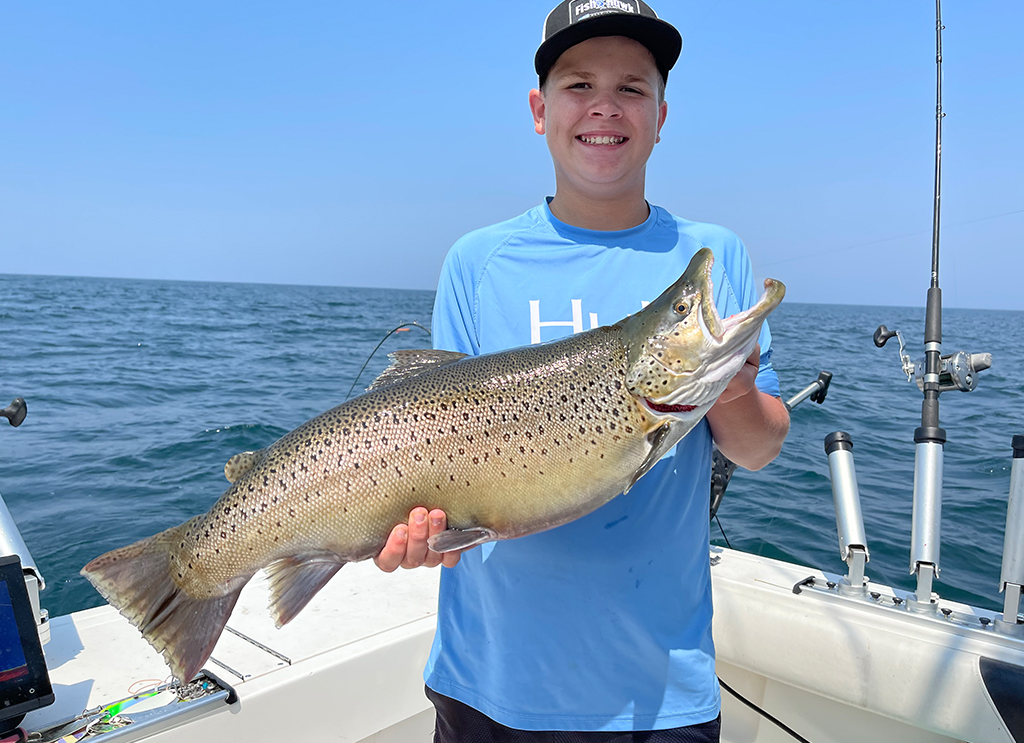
[[609, 140]]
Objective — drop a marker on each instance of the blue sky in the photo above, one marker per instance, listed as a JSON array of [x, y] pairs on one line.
[[351, 143]]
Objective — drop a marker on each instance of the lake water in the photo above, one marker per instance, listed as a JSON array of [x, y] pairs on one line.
[[139, 392]]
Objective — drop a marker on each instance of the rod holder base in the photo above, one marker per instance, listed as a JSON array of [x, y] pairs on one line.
[[929, 605], [1013, 629]]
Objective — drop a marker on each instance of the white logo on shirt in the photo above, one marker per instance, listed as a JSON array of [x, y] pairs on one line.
[[576, 323]]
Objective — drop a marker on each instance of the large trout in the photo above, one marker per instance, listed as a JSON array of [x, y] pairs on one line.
[[507, 444]]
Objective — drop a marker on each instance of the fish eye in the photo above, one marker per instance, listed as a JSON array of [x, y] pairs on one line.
[[683, 308]]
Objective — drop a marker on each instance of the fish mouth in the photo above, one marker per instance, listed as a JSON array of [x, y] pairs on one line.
[[720, 331], [667, 408]]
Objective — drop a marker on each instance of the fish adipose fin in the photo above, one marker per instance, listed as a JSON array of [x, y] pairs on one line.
[[137, 580], [241, 463], [460, 539], [295, 580], [661, 440], [408, 363]]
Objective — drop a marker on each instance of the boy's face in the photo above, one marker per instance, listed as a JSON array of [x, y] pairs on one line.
[[601, 114]]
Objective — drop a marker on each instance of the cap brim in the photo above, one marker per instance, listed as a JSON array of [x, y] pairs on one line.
[[661, 38]]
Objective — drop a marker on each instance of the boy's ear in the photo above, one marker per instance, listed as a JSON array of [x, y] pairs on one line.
[[537, 109], [662, 113]]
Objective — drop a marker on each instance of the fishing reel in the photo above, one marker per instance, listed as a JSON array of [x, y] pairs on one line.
[[957, 371]]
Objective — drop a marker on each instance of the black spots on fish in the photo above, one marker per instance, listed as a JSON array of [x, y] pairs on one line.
[[356, 465], [476, 460], [223, 535]]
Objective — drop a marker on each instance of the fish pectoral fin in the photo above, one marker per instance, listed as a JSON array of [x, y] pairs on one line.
[[660, 439], [297, 579], [460, 539], [410, 362], [241, 463]]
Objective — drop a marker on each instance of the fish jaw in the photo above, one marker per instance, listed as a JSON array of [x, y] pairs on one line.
[[682, 354]]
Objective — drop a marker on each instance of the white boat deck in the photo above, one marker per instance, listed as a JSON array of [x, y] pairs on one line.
[[356, 656], [836, 669]]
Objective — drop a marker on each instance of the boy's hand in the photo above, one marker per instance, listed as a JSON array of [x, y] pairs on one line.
[[407, 544], [743, 382]]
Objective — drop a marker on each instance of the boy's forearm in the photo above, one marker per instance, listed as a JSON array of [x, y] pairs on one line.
[[750, 429]]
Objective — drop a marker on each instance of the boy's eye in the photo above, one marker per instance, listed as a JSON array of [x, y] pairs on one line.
[[632, 90]]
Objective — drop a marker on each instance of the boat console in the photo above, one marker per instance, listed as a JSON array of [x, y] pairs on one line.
[[24, 681]]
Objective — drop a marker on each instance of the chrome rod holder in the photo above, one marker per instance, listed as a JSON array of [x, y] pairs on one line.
[[926, 522], [12, 543], [853, 541], [1011, 577]]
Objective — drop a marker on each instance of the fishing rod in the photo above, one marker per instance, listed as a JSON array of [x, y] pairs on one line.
[[934, 374]]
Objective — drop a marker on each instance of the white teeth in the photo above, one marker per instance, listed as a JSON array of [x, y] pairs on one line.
[[602, 140]]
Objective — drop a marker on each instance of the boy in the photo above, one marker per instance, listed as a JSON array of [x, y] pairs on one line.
[[601, 628]]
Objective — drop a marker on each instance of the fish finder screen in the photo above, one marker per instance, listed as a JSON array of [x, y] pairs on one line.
[[24, 681], [12, 656]]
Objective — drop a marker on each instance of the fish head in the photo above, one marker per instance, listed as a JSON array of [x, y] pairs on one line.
[[681, 353]]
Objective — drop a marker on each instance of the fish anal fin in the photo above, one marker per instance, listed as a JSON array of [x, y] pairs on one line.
[[660, 439], [410, 362], [241, 463], [297, 579], [460, 539], [138, 582]]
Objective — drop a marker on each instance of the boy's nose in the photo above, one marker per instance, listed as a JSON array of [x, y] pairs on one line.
[[605, 107]]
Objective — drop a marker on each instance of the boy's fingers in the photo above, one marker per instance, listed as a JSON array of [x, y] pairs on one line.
[[437, 523], [416, 547], [394, 550]]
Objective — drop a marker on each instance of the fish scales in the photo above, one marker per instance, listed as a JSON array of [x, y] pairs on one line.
[[507, 444], [526, 433]]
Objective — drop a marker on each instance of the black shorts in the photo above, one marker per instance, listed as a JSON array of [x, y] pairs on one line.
[[459, 723]]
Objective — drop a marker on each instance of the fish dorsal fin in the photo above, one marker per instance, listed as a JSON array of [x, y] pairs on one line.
[[661, 439], [241, 463], [408, 363], [295, 580]]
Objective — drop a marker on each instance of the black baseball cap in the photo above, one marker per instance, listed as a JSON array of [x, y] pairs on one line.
[[573, 21]]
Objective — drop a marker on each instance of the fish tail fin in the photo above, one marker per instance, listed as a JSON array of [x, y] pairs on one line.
[[137, 580], [297, 579]]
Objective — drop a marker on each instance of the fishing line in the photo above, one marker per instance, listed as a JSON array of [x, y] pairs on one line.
[[723, 531], [762, 712], [390, 333]]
